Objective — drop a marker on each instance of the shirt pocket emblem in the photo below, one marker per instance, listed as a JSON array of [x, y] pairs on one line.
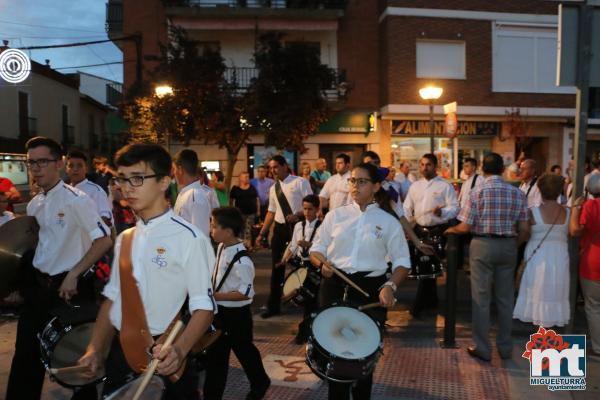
[[160, 258], [60, 219], [378, 232]]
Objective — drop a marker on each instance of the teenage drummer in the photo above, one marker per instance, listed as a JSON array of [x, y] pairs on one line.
[[72, 237], [157, 264], [358, 239], [304, 233]]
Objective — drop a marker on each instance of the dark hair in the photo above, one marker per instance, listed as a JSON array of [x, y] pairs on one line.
[[219, 175], [279, 159], [312, 199], [550, 186], [431, 157], [381, 196], [555, 166], [493, 164], [229, 218], [77, 154], [372, 155], [188, 160], [470, 160], [152, 154], [55, 148], [344, 157]]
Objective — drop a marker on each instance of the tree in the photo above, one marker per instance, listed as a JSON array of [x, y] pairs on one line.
[[288, 99]]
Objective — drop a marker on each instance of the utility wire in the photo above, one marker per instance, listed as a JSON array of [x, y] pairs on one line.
[[48, 26], [55, 46]]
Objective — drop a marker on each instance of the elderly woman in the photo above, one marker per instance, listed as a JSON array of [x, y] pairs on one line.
[[585, 222], [544, 291]]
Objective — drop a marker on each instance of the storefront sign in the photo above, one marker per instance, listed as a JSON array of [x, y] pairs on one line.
[[463, 128], [349, 122], [14, 66]]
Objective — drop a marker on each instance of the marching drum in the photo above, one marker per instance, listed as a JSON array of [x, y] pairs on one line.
[[302, 284], [154, 390], [18, 239], [62, 344], [422, 265], [344, 344]]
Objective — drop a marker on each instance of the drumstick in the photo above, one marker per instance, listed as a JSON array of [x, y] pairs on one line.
[[348, 281], [154, 363], [66, 370], [370, 305]]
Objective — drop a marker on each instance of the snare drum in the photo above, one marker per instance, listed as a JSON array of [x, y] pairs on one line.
[[62, 344], [154, 390], [301, 285], [422, 265], [344, 344]]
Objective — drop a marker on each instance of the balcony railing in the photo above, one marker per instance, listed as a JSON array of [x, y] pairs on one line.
[[114, 16], [27, 127], [68, 132], [295, 4], [114, 94]]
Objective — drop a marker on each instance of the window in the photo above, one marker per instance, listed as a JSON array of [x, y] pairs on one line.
[[524, 59], [441, 59]]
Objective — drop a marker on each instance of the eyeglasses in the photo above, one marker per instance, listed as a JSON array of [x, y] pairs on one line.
[[134, 181], [42, 162], [359, 181]]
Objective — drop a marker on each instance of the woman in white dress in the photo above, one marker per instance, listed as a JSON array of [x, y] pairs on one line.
[[544, 292]]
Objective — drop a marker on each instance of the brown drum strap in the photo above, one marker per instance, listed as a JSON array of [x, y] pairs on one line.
[[135, 336]]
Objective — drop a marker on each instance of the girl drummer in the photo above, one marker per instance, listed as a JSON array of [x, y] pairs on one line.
[[358, 239]]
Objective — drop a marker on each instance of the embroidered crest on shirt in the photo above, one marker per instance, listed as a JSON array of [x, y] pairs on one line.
[[378, 232], [160, 259], [60, 219]]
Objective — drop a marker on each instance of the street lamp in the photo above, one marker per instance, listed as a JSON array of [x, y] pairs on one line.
[[431, 93], [163, 90]]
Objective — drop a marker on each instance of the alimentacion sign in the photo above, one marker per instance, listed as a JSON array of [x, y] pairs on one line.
[[464, 128]]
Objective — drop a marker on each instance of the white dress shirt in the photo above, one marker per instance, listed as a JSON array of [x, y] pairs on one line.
[[465, 189], [5, 217], [534, 199], [294, 189], [213, 200], [241, 277], [301, 234], [171, 260], [357, 241], [98, 195], [192, 205], [337, 190], [69, 223], [424, 196]]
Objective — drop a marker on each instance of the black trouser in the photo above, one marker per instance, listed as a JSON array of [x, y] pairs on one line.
[[332, 291], [236, 325], [310, 306], [118, 373], [427, 288], [281, 237], [40, 293]]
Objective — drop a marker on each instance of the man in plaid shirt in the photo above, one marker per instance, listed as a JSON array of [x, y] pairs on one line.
[[496, 215]]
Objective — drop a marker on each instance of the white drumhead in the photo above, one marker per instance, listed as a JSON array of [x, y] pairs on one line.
[[294, 281], [154, 390], [346, 332]]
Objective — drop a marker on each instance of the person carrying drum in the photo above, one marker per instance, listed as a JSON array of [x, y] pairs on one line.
[[357, 240], [430, 204], [192, 201], [285, 208], [304, 233], [72, 237], [233, 281], [157, 265]]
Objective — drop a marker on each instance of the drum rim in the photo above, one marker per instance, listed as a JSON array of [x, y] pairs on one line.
[[290, 274], [46, 354], [130, 381]]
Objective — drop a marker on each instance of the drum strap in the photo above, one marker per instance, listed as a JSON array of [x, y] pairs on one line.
[[236, 258], [135, 337], [312, 235]]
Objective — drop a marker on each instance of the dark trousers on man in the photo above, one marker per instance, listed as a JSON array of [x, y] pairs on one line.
[[332, 291], [236, 325], [40, 293], [281, 237], [118, 373], [493, 262]]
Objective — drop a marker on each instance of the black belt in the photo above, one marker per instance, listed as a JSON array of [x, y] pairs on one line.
[[493, 236], [48, 281]]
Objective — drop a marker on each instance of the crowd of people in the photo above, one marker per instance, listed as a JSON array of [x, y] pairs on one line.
[[183, 244]]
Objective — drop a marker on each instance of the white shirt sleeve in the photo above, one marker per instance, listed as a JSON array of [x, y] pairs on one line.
[[293, 246], [198, 267], [305, 187], [323, 236], [452, 207], [86, 213], [324, 193], [244, 271], [113, 287], [272, 199], [409, 204]]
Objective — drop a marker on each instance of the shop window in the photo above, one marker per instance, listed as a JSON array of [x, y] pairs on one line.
[[441, 59], [524, 59]]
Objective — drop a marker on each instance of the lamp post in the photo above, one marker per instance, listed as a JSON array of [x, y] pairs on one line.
[[161, 91], [431, 93]]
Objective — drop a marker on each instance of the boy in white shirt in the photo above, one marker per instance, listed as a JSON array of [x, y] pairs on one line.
[[232, 280]]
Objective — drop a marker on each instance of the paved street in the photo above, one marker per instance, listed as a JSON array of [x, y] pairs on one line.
[[414, 366]]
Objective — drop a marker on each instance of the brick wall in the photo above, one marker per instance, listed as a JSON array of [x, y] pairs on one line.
[[513, 6], [400, 85]]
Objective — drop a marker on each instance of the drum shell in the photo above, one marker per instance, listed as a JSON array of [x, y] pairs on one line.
[[424, 266], [154, 391]]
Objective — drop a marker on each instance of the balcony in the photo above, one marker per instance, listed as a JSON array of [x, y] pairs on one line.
[[114, 94], [114, 18], [68, 134], [27, 127], [290, 4]]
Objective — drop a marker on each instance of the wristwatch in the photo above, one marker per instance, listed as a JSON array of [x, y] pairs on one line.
[[390, 284]]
